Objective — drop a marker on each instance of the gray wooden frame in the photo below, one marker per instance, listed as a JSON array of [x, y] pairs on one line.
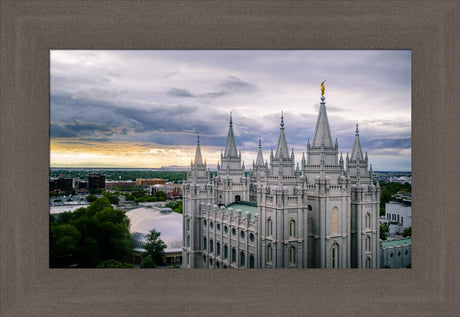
[[29, 29]]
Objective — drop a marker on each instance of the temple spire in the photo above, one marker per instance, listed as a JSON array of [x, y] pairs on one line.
[[357, 153], [282, 149], [260, 158], [230, 148], [198, 156], [322, 129]]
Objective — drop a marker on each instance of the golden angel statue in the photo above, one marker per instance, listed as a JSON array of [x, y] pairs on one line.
[[322, 88]]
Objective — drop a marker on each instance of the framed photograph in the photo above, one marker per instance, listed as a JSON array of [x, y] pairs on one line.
[[118, 117], [32, 31]]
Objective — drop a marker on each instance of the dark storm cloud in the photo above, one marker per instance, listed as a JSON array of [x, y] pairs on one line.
[[79, 129], [175, 92]]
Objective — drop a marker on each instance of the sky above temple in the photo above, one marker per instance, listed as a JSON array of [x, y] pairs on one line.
[[141, 108]]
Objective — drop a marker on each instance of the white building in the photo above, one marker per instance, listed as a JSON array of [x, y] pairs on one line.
[[163, 220], [399, 215], [321, 214]]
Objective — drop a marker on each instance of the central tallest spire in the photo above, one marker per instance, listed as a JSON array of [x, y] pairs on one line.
[[230, 148], [322, 130]]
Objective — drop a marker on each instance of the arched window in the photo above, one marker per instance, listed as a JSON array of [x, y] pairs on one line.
[[242, 259], [335, 256], [252, 261], [217, 248], [292, 256], [269, 253], [211, 246], [188, 240], [292, 229], [368, 263], [368, 221], [233, 255], [205, 243], [188, 224], [334, 220], [269, 227], [225, 251], [368, 243]]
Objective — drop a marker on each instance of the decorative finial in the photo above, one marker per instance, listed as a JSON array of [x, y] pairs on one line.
[[282, 121], [198, 142], [322, 88], [231, 122], [357, 130], [260, 144]]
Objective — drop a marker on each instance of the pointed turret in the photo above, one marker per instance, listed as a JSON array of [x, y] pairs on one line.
[[357, 153], [282, 150], [197, 171], [198, 157], [322, 129], [230, 148], [260, 158]]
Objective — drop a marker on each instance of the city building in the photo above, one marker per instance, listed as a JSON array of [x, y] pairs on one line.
[[96, 181], [61, 184], [321, 214], [119, 183], [172, 190], [149, 181], [81, 186]]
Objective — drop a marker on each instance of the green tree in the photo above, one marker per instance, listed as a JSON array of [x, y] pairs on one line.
[[130, 197], [160, 195], [64, 240], [154, 247], [90, 235], [147, 262], [384, 228], [407, 232], [91, 198], [176, 206], [114, 199]]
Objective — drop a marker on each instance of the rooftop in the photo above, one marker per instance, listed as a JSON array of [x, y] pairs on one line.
[[244, 207], [169, 224], [396, 242]]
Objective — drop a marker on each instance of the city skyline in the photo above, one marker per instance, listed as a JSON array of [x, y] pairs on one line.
[[144, 109]]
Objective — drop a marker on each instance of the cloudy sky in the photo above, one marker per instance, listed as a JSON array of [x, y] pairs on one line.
[[137, 108]]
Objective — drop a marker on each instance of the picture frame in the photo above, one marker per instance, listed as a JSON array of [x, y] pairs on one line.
[[31, 29]]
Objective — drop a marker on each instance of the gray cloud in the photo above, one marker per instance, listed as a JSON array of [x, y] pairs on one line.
[[175, 92]]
